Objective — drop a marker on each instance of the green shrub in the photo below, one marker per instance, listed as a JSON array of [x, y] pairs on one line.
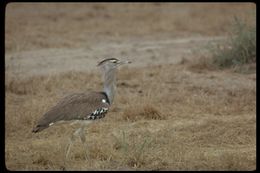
[[239, 49]]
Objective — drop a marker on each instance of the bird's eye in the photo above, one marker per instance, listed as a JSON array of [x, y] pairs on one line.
[[114, 61]]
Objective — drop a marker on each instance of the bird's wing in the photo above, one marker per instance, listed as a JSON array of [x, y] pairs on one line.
[[79, 106]]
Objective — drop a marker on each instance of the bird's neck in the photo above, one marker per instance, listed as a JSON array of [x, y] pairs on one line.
[[110, 84]]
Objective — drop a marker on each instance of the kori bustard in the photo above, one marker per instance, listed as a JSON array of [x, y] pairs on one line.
[[84, 107]]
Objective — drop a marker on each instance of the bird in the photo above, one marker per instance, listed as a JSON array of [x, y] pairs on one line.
[[84, 108]]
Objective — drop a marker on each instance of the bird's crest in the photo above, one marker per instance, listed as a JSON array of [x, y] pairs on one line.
[[113, 60]]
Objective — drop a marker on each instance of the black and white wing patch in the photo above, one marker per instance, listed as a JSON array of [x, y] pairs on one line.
[[97, 114]]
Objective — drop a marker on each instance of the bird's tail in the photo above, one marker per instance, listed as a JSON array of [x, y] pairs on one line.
[[38, 128]]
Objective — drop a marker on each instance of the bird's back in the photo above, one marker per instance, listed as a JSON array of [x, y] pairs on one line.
[[78, 106]]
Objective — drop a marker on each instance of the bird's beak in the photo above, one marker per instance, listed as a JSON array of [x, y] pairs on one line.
[[124, 62]]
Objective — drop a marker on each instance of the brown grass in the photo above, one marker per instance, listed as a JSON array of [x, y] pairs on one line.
[[93, 22], [141, 111], [186, 121], [165, 117]]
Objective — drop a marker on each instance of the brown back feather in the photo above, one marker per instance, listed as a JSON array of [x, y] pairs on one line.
[[72, 107]]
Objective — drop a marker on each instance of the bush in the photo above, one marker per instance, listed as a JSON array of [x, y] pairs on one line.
[[240, 48]]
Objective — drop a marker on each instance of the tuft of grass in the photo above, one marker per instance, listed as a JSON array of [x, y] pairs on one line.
[[133, 149], [240, 48], [142, 111], [200, 64]]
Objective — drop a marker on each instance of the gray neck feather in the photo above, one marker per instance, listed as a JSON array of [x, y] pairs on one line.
[[110, 83]]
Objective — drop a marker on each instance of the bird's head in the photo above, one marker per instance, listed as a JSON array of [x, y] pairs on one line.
[[111, 63]]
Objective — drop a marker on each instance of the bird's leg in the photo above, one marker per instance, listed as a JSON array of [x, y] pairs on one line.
[[81, 134], [83, 139], [71, 141]]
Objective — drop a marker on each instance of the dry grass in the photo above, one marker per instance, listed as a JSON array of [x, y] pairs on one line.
[[165, 117], [238, 52], [94, 22], [168, 119]]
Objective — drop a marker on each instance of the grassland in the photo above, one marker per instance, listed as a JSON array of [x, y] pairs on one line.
[[176, 116]]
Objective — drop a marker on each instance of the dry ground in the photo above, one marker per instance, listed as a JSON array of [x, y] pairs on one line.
[[170, 113]]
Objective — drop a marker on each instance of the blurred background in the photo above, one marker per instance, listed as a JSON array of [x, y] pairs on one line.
[[50, 25]]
